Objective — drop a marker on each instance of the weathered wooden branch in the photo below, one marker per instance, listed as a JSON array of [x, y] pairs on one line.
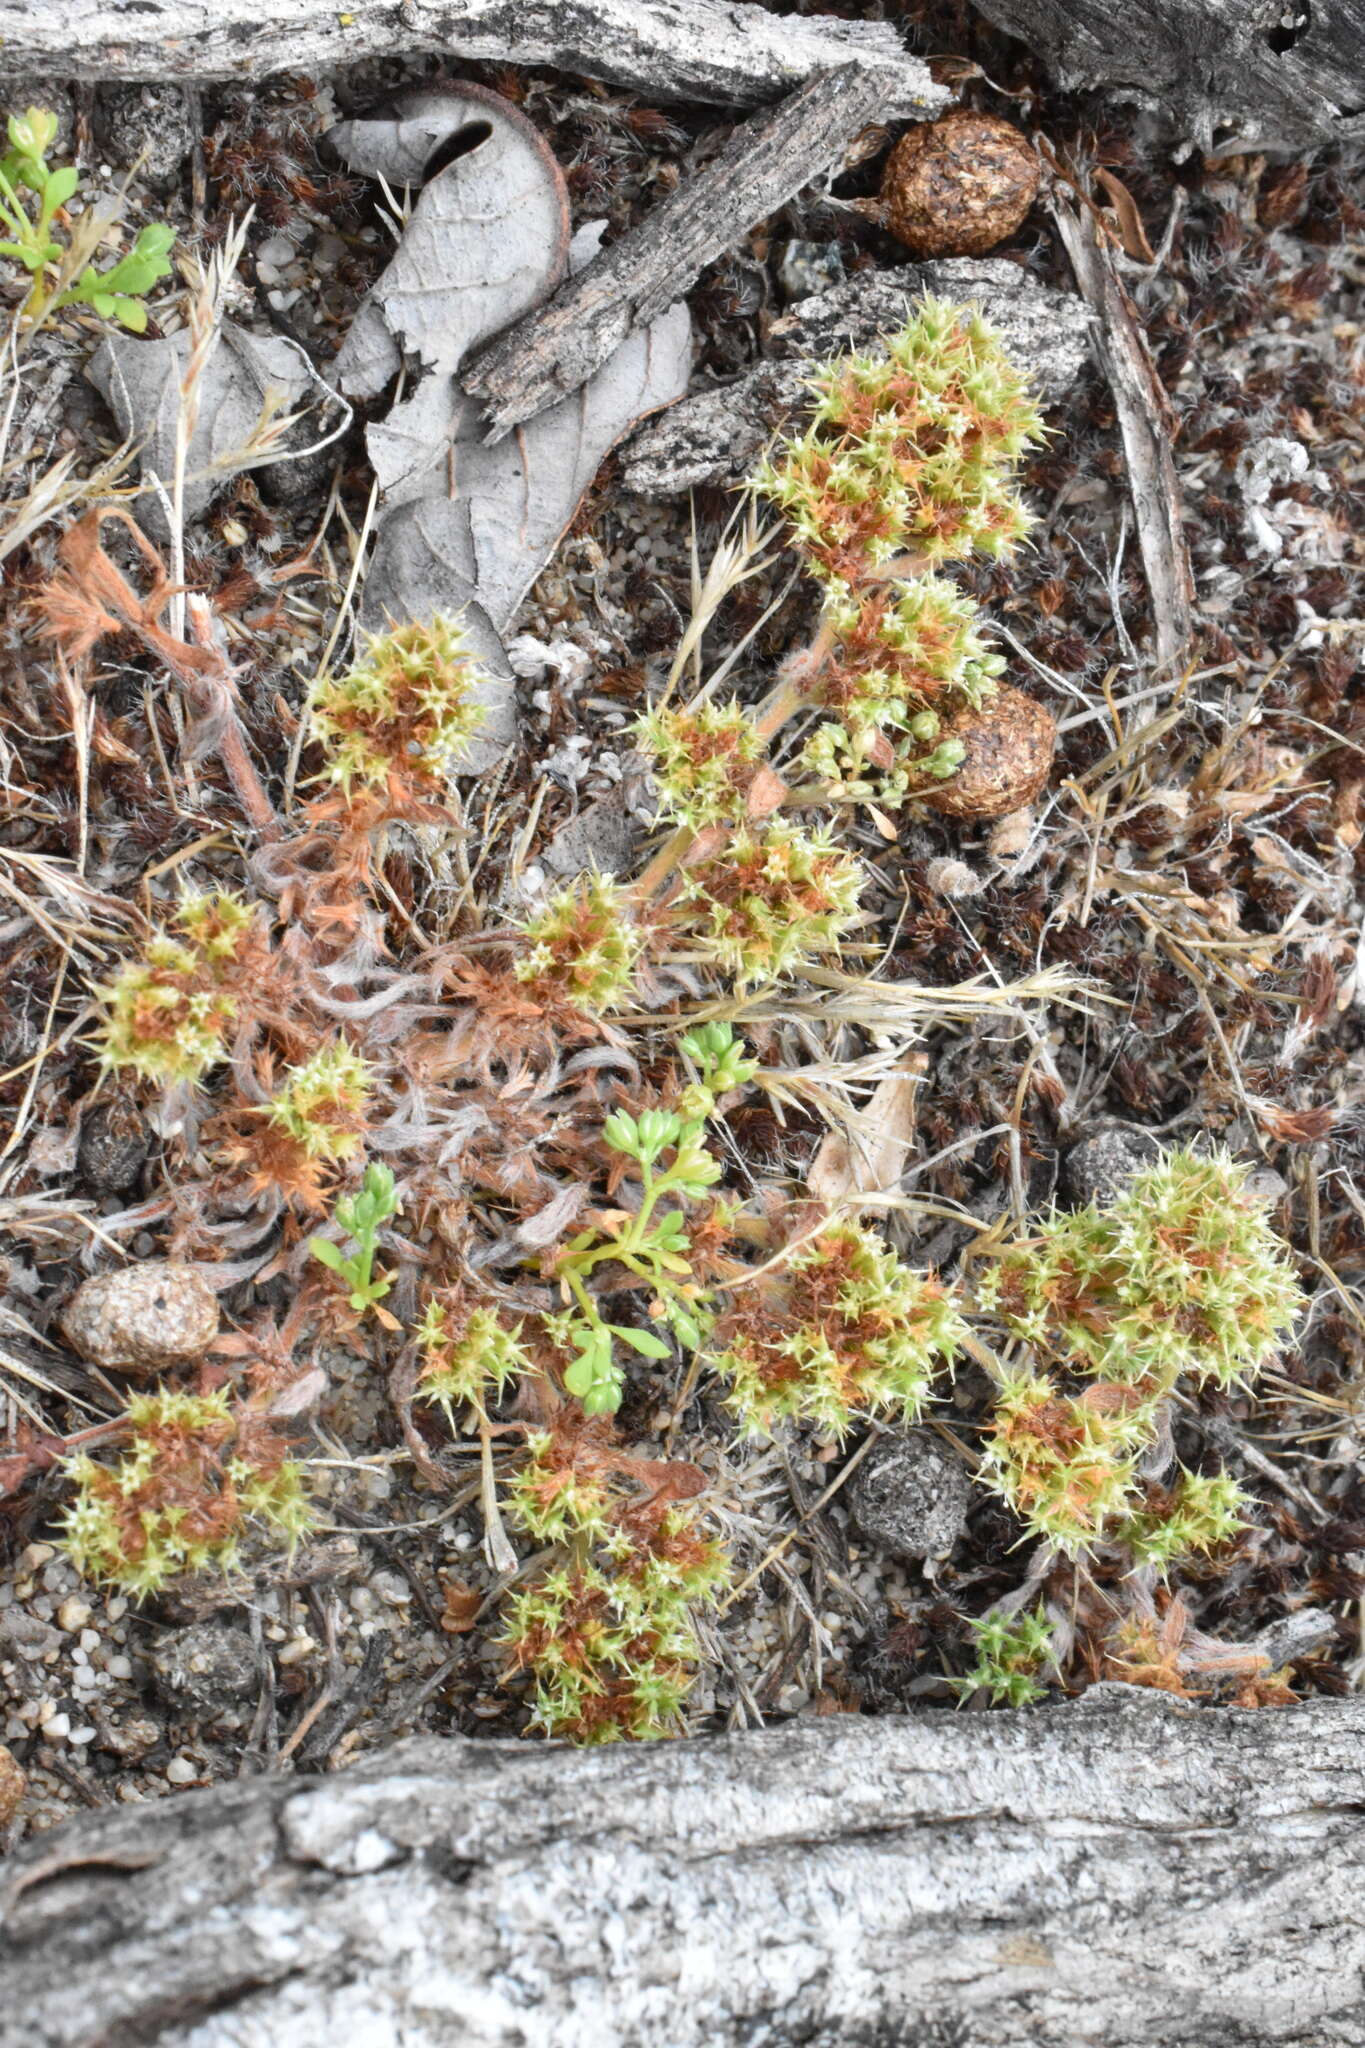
[[716, 433], [1119, 1873], [1146, 424], [726, 52], [1219, 73], [556, 348]]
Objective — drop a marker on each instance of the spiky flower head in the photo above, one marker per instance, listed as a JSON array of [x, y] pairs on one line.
[[845, 1330], [554, 1498], [198, 1471], [917, 647], [609, 1635], [583, 946], [772, 900], [1181, 1277], [468, 1354], [705, 758], [910, 452], [170, 1012], [402, 717], [1063, 1463], [1198, 1514], [321, 1104]]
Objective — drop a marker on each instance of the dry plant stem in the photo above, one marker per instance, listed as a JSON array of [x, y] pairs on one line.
[[215, 701], [1146, 424]]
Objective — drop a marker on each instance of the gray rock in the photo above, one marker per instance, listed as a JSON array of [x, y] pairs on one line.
[[807, 267], [910, 1496], [1101, 1166], [208, 1670], [151, 122]]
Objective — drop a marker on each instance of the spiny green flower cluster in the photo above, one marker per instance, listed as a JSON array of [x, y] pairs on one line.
[[402, 717], [909, 453], [468, 1355], [1011, 1653], [609, 1633], [705, 758], [844, 1330], [321, 1104], [906, 464], [170, 1011], [582, 947], [1065, 1462], [773, 900], [1202, 1511], [1182, 1278], [198, 1471], [902, 652]]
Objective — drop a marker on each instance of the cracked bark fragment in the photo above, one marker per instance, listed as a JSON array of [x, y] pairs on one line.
[[1117, 1872], [724, 52]]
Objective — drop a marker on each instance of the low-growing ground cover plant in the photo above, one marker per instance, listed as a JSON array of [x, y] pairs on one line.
[[531, 1115]]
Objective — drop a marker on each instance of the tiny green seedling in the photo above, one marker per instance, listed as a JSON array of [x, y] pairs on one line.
[[1012, 1653], [362, 1217], [653, 1247], [62, 270]]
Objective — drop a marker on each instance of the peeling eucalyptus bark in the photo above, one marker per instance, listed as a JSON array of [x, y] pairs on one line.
[[1120, 1873], [725, 52]]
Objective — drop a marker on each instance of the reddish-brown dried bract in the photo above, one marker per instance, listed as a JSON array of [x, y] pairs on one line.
[[958, 186], [142, 1317]]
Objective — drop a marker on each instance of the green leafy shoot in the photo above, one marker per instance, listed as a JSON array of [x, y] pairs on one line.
[[651, 1243], [59, 253], [362, 1216]]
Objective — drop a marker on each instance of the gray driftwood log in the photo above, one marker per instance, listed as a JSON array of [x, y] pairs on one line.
[[729, 52], [556, 348], [1123, 1873], [1223, 74]]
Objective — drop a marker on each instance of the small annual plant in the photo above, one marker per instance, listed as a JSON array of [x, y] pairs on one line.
[[905, 464], [399, 721], [651, 1243], [198, 1471], [59, 251], [1012, 1653], [1180, 1279], [362, 1216], [168, 1014], [840, 1328], [608, 1633]]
